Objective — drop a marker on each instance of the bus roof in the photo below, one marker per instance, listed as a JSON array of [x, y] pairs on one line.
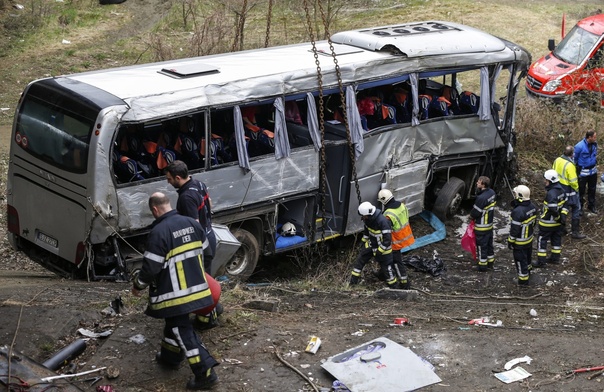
[[158, 89]]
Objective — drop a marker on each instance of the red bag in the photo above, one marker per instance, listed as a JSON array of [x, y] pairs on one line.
[[468, 241]]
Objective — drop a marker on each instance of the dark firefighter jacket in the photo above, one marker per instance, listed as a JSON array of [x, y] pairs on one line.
[[483, 210], [194, 201], [398, 215], [554, 211], [173, 267], [377, 233], [523, 219]]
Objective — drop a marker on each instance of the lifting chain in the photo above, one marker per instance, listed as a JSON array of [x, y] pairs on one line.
[[343, 103], [268, 22], [322, 159], [239, 31]]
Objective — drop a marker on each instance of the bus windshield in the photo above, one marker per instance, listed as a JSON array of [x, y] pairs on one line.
[[52, 128], [575, 46]]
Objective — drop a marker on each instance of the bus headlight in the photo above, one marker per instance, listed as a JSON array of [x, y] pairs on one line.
[[552, 85]]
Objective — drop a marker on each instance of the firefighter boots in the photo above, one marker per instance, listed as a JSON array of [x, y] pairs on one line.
[[575, 233], [203, 382]]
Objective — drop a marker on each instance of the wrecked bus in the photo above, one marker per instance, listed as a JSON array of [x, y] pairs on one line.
[[575, 67], [413, 107]]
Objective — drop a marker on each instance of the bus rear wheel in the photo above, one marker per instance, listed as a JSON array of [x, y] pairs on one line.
[[243, 263], [449, 199]]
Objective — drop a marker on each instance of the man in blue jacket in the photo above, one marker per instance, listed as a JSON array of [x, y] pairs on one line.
[[586, 152]]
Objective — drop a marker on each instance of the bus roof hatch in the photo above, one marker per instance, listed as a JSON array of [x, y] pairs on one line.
[[421, 39]]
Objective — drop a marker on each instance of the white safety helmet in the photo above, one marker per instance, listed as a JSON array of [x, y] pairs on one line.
[[288, 229], [384, 196], [366, 209], [522, 192], [551, 175]]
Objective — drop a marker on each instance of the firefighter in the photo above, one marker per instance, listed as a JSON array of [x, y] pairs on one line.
[[402, 236], [173, 271], [564, 165], [482, 212], [194, 201], [552, 220], [522, 225], [377, 242]]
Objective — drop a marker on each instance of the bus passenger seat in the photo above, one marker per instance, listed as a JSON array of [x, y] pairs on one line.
[[469, 102]]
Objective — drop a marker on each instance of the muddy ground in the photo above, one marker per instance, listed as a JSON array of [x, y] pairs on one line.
[[42, 313]]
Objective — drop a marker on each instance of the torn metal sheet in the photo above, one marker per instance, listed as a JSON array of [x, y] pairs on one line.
[[31, 372], [381, 365]]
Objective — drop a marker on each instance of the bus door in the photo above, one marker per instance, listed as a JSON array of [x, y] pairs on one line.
[[337, 168]]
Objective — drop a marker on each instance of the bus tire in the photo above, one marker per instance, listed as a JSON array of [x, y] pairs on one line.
[[243, 263], [449, 199]]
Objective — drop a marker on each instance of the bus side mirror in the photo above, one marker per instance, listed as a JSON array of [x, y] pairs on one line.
[[551, 44]]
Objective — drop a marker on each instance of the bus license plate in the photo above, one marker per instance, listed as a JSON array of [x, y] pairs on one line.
[[48, 240]]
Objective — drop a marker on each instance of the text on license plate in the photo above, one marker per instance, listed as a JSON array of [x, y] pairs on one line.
[[48, 240]]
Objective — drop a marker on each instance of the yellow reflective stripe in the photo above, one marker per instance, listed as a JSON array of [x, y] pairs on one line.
[[180, 300], [194, 360], [184, 248], [180, 271], [483, 228]]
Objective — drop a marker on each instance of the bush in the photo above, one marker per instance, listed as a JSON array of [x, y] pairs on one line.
[[543, 128]]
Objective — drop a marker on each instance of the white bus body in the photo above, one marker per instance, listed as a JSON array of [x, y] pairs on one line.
[[79, 177]]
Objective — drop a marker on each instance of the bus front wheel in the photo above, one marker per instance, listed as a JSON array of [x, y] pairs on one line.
[[449, 199], [242, 264]]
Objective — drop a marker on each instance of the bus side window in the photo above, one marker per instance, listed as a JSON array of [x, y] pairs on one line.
[[222, 146], [259, 122], [297, 130], [130, 160]]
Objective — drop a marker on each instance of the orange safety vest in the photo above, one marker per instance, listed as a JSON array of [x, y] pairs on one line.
[[402, 235]]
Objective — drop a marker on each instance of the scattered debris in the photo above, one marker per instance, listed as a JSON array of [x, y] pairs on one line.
[[516, 374], [313, 345], [45, 379], [510, 364], [485, 321], [380, 365], [91, 334], [117, 304], [68, 353], [138, 339], [112, 372], [587, 369], [533, 313], [66, 42], [232, 361], [360, 332], [401, 321]]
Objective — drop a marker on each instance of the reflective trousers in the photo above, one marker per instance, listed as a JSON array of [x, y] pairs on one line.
[[484, 248], [180, 341], [522, 261], [385, 261], [553, 236]]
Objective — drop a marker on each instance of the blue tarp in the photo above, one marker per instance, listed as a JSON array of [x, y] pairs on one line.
[[439, 234]]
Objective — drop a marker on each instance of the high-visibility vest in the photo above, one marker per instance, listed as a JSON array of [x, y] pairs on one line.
[[567, 172], [402, 235]]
